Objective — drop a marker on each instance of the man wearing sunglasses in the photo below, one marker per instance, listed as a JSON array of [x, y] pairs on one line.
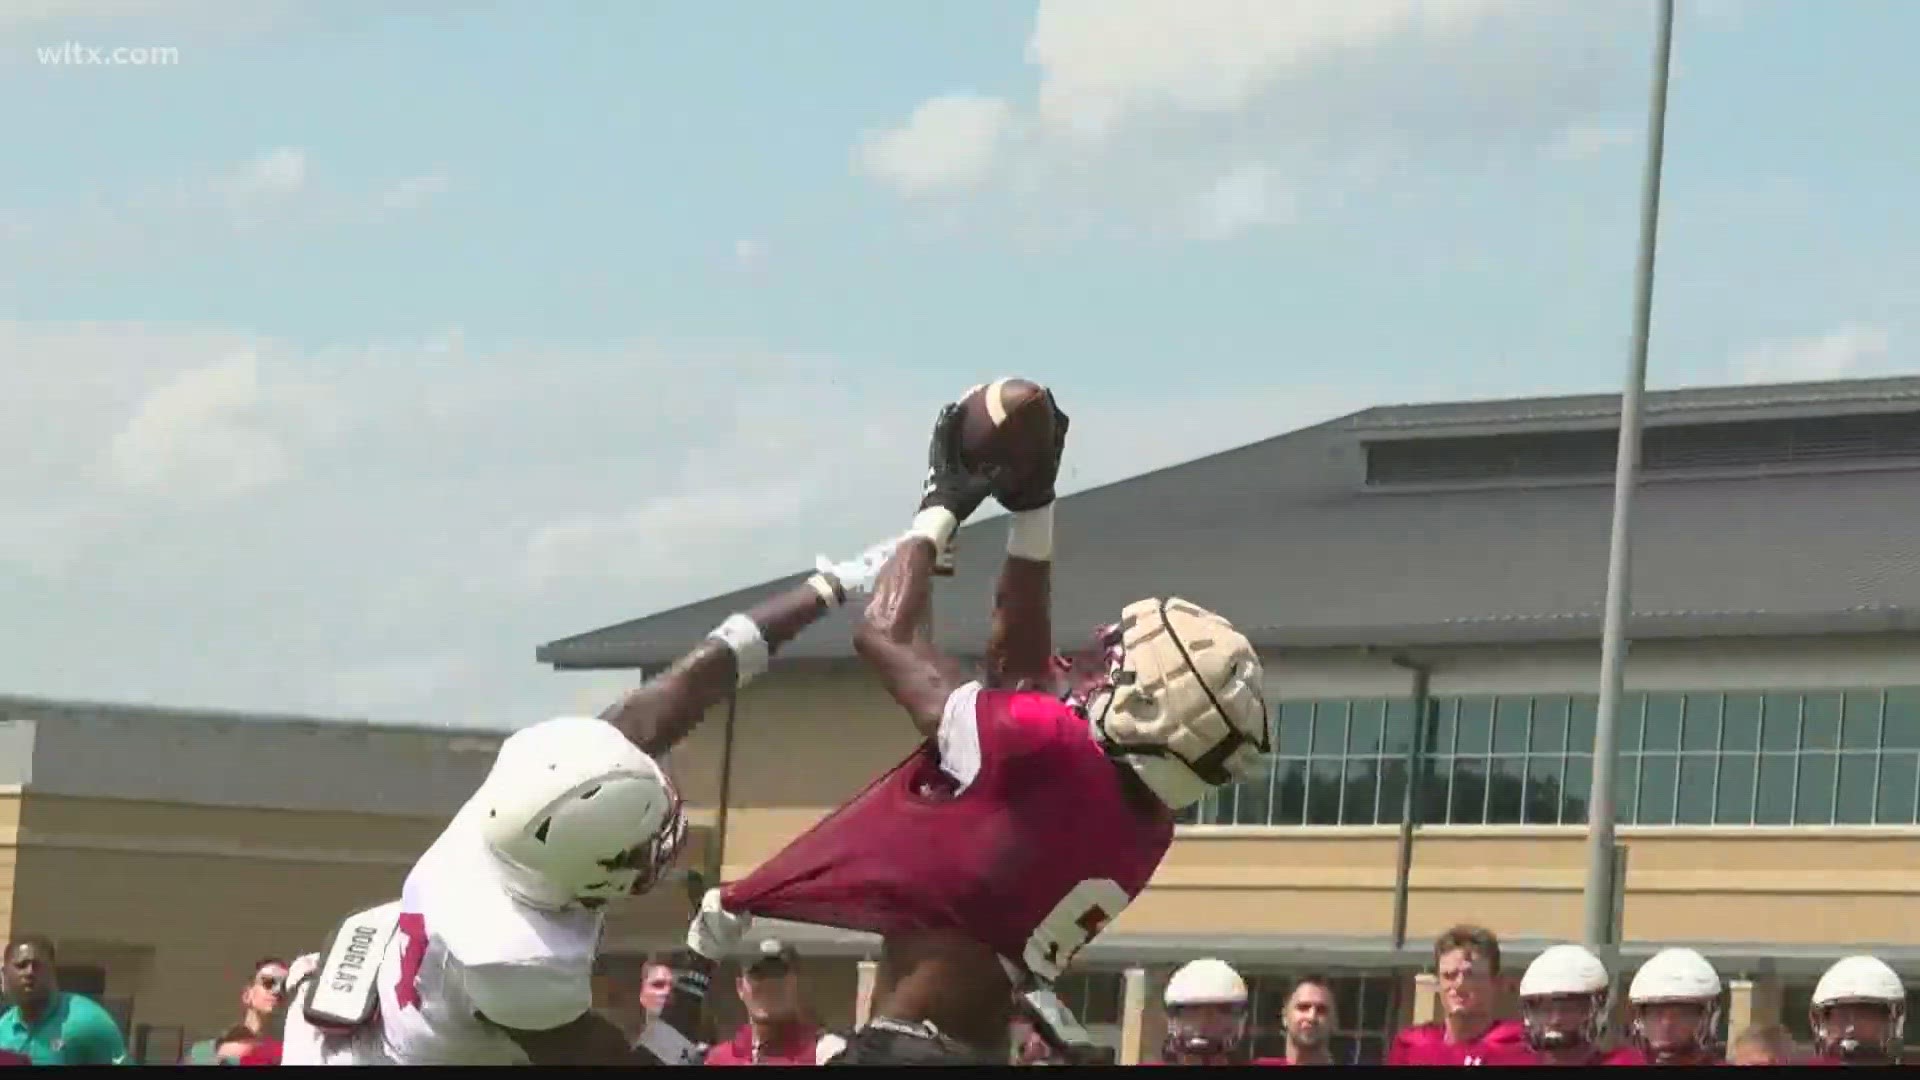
[[777, 1031], [262, 1002]]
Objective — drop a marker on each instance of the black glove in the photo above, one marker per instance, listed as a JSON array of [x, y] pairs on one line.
[[949, 485], [1036, 490]]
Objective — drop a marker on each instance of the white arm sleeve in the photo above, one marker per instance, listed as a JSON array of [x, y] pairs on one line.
[[959, 739], [528, 997]]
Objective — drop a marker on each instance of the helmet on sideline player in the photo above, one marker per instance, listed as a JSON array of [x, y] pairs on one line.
[[1675, 977], [1206, 1010], [1564, 980], [1173, 690], [573, 812], [1859, 981]]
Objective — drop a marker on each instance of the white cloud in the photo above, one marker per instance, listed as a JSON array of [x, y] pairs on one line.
[[218, 518], [1141, 104], [1245, 198], [750, 255], [1578, 142], [1846, 352], [414, 192]]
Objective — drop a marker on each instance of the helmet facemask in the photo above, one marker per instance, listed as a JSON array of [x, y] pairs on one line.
[[1839, 1037]]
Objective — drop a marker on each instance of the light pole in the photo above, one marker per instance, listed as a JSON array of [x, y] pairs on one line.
[[1599, 923]]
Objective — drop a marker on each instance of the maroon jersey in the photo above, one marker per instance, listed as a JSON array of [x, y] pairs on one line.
[[1013, 827], [1505, 1043]]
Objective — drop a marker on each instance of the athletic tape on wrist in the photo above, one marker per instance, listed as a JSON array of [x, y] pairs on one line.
[[830, 591], [1030, 535], [750, 652], [936, 523]]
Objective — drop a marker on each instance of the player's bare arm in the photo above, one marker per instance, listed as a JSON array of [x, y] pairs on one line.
[[895, 634], [1020, 640], [665, 710]]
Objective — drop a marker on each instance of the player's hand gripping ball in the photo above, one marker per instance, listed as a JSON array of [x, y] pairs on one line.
[[1013, 433]]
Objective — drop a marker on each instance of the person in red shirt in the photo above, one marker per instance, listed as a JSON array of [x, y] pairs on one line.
[[1467, 960], [1674, 1002], [1308, 1017], [777, 1031], [1858, 1014], [1039, 803], [1563, 1006]]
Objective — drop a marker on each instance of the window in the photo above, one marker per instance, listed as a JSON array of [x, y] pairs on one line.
[[1363, 1021], [1098, 999], [1822, 757]]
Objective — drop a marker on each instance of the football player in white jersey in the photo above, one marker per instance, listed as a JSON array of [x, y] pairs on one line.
[[487, 957]]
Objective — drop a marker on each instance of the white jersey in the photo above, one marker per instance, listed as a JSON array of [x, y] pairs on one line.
[[465, 948]]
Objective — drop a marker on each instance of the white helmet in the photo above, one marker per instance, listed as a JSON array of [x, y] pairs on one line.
[[1859, 980], [573, 812], [1564, 971], [1180, 700], [1207, 982], [1679, 976]]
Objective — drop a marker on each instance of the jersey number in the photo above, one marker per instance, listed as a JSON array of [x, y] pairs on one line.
[[412, 928], [1079, 916]]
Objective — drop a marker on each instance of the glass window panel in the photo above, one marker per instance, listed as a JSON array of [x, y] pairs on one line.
[[1329, 728], [1659, 779], [1467, 801], [1393, 789], [1696, 789], [1510, 717], [1663, 721], [1475, 726], [1506, 790], [1363, 783], [1899, 772], [1633, 709], [1702, 731], [1444, 712], [1436, 780], [1575, 785], [1326, 781], [1773, 802], [1375, 998], [1364, 727], [1820, 722], [1860, 723], [1289, 792], [1543, 790], [1296, 729], [1398, 737], [1626, 781], [1549, 734], [1733, 804], [1740, 724], [1581, 713], [1780, 722], [1903, 719], [1346, 1001], [1250, 807], [1813, 802], [1854, 803]]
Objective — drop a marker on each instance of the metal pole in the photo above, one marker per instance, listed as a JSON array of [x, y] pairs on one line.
[[1600, 858], [717, 861], [1410, 801]]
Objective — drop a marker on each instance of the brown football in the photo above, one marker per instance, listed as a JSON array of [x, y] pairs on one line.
[[1007, 431]]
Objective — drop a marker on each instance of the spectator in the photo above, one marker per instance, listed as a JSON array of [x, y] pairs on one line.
[[777, 1031], [1467, 961], [1763, 1044], [47, 1024], [1029, 1047], [656, 982], [1308, 1021], [257, 1035]]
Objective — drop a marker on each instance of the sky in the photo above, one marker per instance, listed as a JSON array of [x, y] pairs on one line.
[[347, 354]]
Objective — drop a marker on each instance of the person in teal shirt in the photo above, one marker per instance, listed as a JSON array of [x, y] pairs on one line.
[[48, 1025]]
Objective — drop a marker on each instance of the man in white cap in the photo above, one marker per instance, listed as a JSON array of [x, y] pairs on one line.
[[778, 1030]]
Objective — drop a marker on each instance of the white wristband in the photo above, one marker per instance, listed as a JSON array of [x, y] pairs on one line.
[[750, 652], [1030, 535], [830, 592], [937, 524]]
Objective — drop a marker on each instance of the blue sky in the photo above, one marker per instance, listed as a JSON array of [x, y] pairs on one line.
[[355, 353]]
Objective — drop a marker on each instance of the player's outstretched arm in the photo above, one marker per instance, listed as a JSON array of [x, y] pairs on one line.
[[665, 710], [896, 635], [1020, 641]]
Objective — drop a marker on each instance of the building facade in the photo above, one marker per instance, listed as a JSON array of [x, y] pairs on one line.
[[1425, 584]]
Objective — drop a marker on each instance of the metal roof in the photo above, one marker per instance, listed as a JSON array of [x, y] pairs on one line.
[[1282, 538]]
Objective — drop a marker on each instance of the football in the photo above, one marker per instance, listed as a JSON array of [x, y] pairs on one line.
[[1007, 430]]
